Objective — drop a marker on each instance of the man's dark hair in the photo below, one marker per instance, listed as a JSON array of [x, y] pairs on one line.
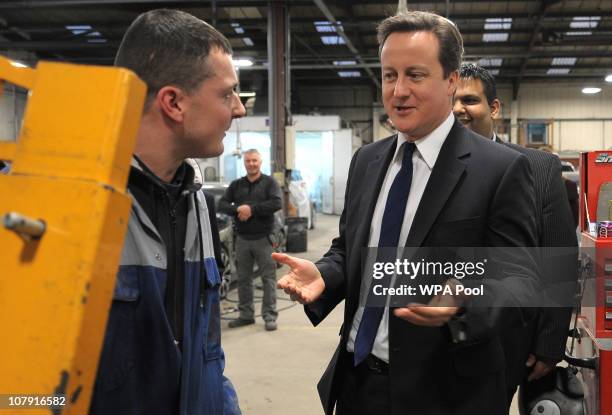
[[476, 72], [449, 38], [169, 47]]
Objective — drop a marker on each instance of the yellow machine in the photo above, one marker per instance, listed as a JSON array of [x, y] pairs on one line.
[[65, 211]]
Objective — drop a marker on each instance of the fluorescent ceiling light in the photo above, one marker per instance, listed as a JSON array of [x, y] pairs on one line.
[[349, 74], [578, 33], [247, 94], [493, 62], [326, 27], [343, 63], [241, 63], [558, 71], [585, 22], [247, 41], [237, 28], [332, 40], [495, 37], [78, 29], [498, 23], [563, 61], [609, 78], [18, 64], [494, 71], [590, 90]]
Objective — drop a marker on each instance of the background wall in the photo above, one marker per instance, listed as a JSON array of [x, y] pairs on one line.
[[580, 122], [352, 104], [13, 101]]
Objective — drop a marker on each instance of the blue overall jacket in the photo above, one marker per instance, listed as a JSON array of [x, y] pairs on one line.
[[142, 370]]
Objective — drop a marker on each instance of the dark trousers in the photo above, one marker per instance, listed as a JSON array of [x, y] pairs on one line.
[[247, 252], [365, 389]]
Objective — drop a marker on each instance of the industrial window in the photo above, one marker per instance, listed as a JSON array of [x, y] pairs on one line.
[[537, 133]]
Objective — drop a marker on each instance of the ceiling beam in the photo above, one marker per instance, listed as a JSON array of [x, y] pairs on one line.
[[545, 5], [330, 17], [35, 45], [18, 4]]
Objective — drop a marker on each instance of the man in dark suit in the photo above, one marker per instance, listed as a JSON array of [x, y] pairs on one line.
[[539, 346], [434, 184], [572, 197]]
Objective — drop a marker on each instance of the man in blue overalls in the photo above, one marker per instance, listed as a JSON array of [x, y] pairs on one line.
[[162, 352]]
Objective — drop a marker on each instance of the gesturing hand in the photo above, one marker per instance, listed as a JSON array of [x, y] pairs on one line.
[[303, 282], [540, 367], [439, 311]]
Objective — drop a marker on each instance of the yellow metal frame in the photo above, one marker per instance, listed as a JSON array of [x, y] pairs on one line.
[[69, 168]]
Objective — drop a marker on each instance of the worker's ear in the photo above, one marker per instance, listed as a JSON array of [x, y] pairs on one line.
[[495, 109], [171, 101]]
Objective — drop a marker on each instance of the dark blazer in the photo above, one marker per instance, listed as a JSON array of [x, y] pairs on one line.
[[572, 197], [556, 228], [476, 195]]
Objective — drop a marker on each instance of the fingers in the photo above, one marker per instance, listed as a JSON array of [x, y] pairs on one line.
[[285, 259], [425, 315], [287, 284], [286, 281], [540, 369], [530, 360], [297, 294]]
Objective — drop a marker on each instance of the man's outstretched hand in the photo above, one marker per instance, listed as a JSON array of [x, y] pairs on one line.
[[303, 282]]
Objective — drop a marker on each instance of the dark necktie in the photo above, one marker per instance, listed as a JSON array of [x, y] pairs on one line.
[[393, 217]]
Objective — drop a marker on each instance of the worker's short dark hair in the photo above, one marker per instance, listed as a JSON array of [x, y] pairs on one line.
[[169, 47], [449, 38], [476, 72]]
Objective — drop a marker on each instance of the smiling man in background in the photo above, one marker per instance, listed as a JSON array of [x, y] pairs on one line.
[[534, 350], [252, 200]]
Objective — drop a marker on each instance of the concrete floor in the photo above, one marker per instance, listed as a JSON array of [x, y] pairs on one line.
[[276, 373]]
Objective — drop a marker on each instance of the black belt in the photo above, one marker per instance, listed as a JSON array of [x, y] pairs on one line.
[[375, 365]]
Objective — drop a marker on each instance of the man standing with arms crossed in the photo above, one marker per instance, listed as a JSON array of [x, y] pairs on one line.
[[162, 349], [541, 345], [252, 200], [434, 184]]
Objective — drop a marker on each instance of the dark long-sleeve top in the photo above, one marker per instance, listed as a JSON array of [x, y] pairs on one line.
[[263, 196]]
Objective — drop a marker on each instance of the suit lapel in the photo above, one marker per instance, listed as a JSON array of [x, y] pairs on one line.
[[375, 174], [371, 185], [444, 177]]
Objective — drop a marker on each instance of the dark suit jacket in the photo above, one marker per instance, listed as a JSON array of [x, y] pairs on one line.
[[555, 229], [572, 197], [476, 195]]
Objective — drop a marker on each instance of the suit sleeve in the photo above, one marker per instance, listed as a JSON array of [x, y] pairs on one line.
[[512, 274], [572, 197], [333, 265], [559, 268]]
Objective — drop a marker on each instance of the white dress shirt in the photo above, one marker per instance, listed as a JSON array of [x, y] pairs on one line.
[[423, 160]]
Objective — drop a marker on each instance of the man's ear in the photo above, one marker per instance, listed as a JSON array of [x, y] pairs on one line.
[[453, 80], [495, 109], [171, 101]]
